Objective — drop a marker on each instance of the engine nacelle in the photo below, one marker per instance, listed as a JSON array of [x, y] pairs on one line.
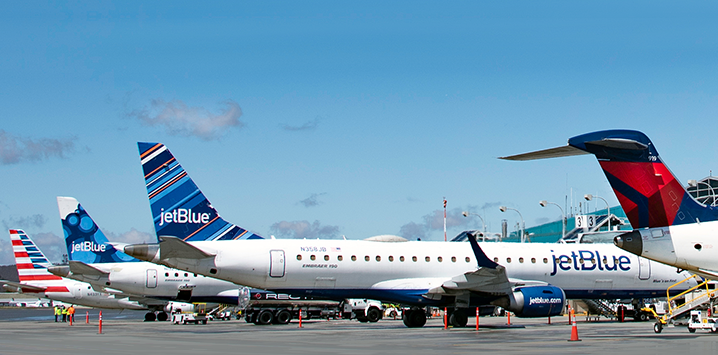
[[534, 301], [171, 307]]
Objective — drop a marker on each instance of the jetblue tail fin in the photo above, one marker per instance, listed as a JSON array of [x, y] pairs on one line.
[[32, 264], [649, 193], [85, 241], [178, 207]]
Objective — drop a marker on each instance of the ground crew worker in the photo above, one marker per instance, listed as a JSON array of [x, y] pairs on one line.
[[64, 314], [58, 312], [71, 313]]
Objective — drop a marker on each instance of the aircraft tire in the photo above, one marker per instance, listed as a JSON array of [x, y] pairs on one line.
[[373, 314], [406, 317], [266, 316], [658, 327], [458, 319], [418, 318], [150, 317], [283, 317], [162, 316]]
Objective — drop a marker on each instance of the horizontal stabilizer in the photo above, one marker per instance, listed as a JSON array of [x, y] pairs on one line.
[[173, 247], [565, 151], [80, 268], [16, 286]]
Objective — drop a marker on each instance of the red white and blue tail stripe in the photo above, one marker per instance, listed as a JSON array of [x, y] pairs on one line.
[[32, 264]]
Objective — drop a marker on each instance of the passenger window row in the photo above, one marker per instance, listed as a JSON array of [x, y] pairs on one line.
[[521, 260], [167, 274], [378, 258]]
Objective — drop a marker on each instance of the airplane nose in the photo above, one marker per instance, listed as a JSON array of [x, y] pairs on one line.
[[630, 242]]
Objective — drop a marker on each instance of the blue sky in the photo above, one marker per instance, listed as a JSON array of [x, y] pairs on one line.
[[322, 119]]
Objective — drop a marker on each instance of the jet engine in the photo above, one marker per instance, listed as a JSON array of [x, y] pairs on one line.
[[534, 301]]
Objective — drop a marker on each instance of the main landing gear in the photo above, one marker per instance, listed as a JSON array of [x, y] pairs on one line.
[[151, 317], [414, 317]]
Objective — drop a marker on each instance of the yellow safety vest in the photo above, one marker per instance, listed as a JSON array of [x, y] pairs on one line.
[[58, 311]]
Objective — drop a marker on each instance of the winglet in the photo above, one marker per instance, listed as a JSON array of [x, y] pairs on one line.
[[481, 257]]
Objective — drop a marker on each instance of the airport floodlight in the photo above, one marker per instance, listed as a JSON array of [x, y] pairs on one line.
[[545, 203], [590, 197], [523, 225], [467, 213]]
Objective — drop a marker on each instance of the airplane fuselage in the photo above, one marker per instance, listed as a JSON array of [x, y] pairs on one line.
[[686, 246], [155, 281], [404, 271]]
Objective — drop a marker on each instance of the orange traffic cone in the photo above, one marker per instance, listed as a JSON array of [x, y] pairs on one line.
[[574, 329]]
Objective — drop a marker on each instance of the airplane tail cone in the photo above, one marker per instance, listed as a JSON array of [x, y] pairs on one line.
[[574, 329]]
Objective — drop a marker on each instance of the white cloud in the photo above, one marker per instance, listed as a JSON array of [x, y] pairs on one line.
[[312, 200], [434, 221], [304, 229], [14, 150], [181, 120], [34, 221], [132, 237], [307, 126]]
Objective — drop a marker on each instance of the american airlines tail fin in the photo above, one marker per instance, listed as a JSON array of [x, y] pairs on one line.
[[85, 241], [649, 193], [32, 265], [178, 207]]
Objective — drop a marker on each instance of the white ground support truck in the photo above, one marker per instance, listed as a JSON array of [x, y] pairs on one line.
[[198, 316], [697, 321], [364, 310]]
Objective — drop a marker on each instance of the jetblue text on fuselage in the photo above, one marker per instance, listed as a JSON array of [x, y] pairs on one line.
[[88, 246], [587, 260], [183, 215]]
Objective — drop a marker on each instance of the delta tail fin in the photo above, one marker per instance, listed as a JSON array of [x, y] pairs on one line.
[[32, 265], [178, 206], [84, 239], [649, 193]]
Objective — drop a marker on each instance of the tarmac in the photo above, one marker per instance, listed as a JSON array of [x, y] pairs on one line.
[[33, 331]]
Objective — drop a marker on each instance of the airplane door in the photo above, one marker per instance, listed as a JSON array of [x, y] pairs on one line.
[[77, 291], [151, 278], [644, 268], [276, 263]]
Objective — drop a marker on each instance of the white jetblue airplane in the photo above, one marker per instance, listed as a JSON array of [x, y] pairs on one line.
[[670, 226], [531, 280], [34, 278], [94, 260]]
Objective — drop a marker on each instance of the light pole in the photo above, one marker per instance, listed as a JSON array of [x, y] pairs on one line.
[[563, 215], [590, 197], [523, 226], [483, 235]]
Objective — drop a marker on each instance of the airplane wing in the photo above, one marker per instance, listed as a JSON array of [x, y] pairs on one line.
[[489, 279], [173, 247], [80, 268], [16, 286]]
